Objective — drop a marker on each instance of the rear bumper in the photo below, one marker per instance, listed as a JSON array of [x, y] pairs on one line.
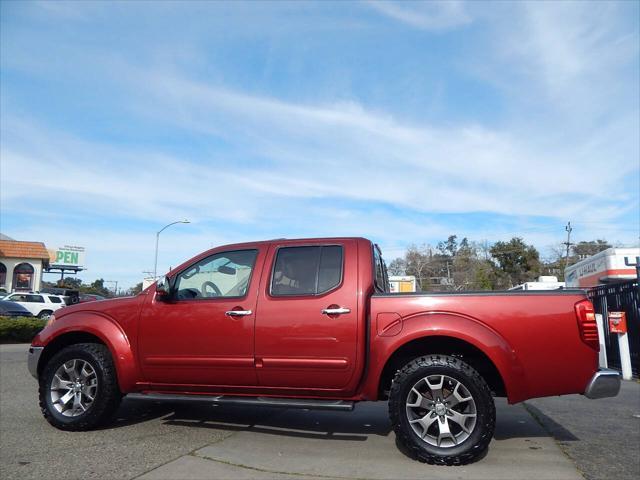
[[32, 360], [604, 383]]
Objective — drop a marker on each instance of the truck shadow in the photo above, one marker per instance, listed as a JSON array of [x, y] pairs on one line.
[[557, 431], [358, 425], [366, 419]]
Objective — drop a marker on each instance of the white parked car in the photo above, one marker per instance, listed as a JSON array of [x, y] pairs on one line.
[[41, 305]]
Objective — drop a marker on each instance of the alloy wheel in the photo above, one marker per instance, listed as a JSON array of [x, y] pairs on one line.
[[441, 411], [73, 387]]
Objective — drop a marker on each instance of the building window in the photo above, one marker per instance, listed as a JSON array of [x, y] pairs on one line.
[[3, 274], [23, 276]]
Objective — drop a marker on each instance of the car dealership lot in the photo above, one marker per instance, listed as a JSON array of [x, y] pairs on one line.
[[150, 440]]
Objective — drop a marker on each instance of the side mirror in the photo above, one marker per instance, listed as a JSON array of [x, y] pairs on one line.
[[163, 288]]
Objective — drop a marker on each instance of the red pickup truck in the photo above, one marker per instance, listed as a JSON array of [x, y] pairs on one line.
[[311, 324]]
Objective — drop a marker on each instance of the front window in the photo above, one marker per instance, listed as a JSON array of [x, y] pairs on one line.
[[223, 275]]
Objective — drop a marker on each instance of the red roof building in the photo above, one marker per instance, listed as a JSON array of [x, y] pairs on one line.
[[21, 265]]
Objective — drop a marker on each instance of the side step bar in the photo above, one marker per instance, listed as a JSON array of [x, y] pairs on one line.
[[312, 404]]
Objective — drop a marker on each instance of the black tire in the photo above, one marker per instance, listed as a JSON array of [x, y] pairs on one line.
[[478, 440], [45, 314], [107, 396]]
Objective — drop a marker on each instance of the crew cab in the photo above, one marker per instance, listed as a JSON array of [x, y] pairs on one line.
[[311, 324]]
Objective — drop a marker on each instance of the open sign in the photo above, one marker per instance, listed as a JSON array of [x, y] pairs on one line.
[[617, 322]]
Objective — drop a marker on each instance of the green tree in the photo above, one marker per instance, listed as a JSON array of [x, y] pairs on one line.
[[449, 247], [486, 276], [136, 289], [71, 282], [587, 249], [97, 287], [518, 261]]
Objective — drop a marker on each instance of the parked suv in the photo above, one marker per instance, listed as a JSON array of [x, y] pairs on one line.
[[39, 304], [71, 296]]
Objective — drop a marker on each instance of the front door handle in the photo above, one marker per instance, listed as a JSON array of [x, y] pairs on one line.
[[335, 311], [238, 313]]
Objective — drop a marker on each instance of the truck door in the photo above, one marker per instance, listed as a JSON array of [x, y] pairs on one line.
[[204, 334], [307, 320]]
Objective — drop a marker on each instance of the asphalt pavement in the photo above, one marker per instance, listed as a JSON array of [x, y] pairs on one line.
[[171, 441], [601, 436]]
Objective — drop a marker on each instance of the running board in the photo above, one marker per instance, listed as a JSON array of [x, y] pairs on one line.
[[312, 404]]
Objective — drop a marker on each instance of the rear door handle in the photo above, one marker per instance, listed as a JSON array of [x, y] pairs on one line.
[[335, 311], [238, 313]]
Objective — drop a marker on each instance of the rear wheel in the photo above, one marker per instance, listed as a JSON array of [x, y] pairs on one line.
[[78, 387], [45, 314], [442, 410]]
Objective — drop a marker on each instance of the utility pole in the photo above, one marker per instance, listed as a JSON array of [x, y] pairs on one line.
[[568, 243]]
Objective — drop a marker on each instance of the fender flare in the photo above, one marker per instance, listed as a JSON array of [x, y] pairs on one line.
[[465, 328], [108, 332]]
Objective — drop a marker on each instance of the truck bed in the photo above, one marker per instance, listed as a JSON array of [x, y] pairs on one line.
[[533, 336]]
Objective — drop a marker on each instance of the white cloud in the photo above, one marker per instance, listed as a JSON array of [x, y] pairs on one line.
[[427, 15], [307, 151], [340, 168], [571, 64]]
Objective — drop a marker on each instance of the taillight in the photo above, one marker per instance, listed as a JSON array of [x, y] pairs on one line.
[[587, 324]]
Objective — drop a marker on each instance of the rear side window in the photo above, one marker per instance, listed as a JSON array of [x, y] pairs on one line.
[[34, 298], [306, 270], [55, 299]]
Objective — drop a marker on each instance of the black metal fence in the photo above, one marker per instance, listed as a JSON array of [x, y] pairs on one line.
[[620, 297]]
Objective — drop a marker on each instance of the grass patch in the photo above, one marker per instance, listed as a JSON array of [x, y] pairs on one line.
[[19, 329]]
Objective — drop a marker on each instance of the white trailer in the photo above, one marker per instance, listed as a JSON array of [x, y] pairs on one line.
[[545, 282], [400, 284], [609, 266]]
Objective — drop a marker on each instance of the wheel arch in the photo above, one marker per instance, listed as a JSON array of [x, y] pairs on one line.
[[65, 340], [453, 334], [443, 345], [92, 328]]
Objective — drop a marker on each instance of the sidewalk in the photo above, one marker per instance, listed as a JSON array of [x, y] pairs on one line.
[[360, 444]]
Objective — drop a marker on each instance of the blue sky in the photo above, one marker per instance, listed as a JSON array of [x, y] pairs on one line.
[[404, 122]]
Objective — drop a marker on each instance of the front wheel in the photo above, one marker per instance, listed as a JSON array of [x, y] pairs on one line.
[[442, 410], [78, 387]]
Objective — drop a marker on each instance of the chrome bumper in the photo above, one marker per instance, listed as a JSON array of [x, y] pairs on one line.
[[605, 383], [32, 360]]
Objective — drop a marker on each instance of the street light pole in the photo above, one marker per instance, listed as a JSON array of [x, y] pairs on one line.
[[155, 264]]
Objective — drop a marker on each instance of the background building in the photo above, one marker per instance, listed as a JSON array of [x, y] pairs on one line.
[[21, 264]]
